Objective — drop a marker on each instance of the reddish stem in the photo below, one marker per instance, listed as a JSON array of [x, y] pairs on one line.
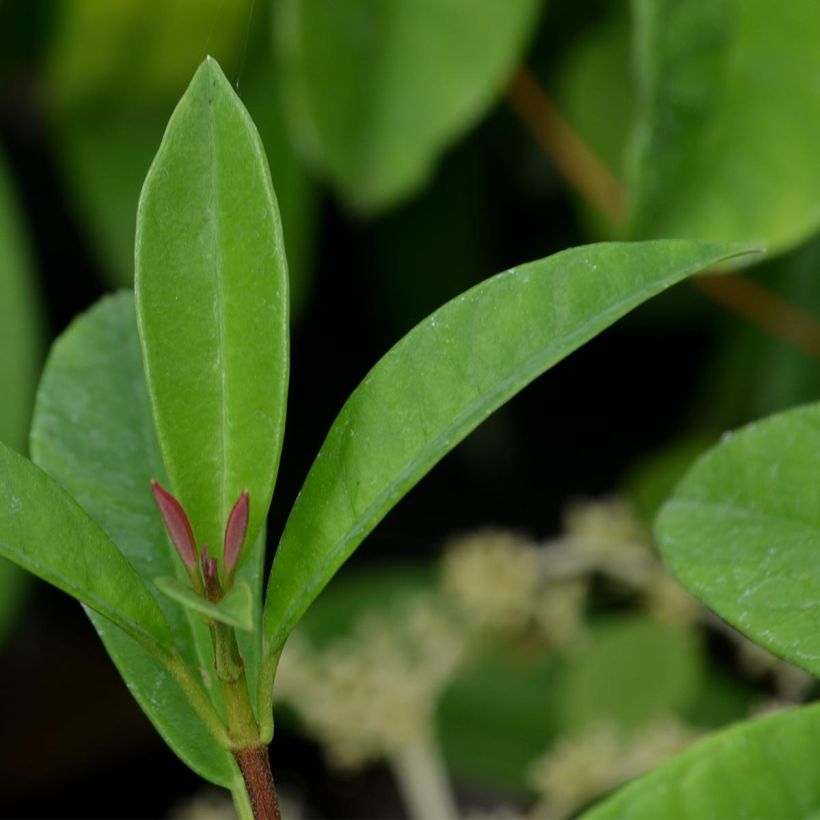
[[255, 767]]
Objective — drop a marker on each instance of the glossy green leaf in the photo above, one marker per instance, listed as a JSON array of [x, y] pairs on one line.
[[105, 154], [755, 770], [235, 609], [630, 671], [93, 432], [377, 90], [441, 381], [44, 530], [211, 283], [729, 122], [742, 533]]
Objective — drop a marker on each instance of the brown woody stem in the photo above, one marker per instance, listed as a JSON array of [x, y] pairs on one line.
[[255, 767]]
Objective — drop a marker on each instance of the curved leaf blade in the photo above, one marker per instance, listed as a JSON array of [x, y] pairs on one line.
[[441, 381], [715, 144], [211, 284], [93, 432], [45, 531], [376, 91], [758, 769], [742, 532]]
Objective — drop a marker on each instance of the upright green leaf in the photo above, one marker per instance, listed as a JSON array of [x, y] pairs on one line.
[[756, 770], [742, 532], [726, 141], [441, 381], [44, 530], [212, 286], [377, 90], [93, 432]]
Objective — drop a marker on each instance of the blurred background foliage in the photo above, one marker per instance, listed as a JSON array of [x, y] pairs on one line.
[[417, 148]]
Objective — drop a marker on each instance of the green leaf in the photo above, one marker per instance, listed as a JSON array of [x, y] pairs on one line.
[[235, 609], [19, 361], [762, 768], [376, 91], [142, 50], [19, 323], [440, 382], [211, 283], [44, 530], [93, 432], [721, 86], [742, 533], [104, 159], [630, 671], [105, 154], [499, 715]]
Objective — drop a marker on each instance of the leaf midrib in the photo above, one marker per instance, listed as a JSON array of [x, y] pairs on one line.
[[218, 300]]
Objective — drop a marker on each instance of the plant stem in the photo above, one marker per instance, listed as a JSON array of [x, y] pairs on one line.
[[243, 730], [422, 781], [255, 767], [572, 157]]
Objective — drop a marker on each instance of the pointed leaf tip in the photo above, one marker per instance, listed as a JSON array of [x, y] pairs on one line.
[[177, 524], [235, 531]]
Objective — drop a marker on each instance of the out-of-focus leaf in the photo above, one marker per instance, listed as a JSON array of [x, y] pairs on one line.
[[782, 375], [19, 361], [742, 533], [440, 382], [19, 323], [142, 49], [377, 90], [105, 157], [756, 770], [594, 86], [651, 481], [360, 592], [212, 304], [630, 671], [594, 91], [93, 432], [498, 716], [729, 121]]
